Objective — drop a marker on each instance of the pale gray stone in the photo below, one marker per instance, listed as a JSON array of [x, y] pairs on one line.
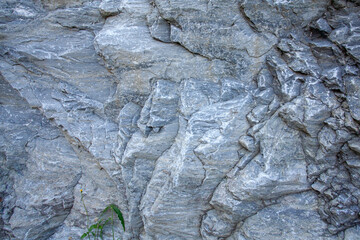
[[196, 94], [299, 57], [352, 233], [346, 32], [199, 119], [353, 87], [138, 163], [35, 155], [247, 142], [294, 217], [279, 17], [264, 79], [161, 107], [159, 27], [323, 25], [288, 176], [194, 171], [109, 8], [354, 144]]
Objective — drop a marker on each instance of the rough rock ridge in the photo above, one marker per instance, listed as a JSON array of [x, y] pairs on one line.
[[201, 119]]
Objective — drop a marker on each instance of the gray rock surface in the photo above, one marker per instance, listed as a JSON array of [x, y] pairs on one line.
[[200, 119], [34, 157]]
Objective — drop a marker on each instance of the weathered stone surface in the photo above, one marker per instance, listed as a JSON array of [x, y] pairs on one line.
[[353, 87], [159, 27], [109, 8], [34, 156], [200, 119], [200, 162], [281, 17], [352, 233], [294, 217], [346, 32]]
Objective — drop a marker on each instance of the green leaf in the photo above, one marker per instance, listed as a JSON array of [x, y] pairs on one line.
[[99, 223], [102, 222], [104, 211], [119, 214], [107, 220], [92, 227], [101, 227], [84, 235]]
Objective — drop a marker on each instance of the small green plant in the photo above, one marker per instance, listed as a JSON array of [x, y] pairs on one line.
[[96, 230]]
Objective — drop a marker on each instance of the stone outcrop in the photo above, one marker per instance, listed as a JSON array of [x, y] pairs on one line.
[[202, 119]]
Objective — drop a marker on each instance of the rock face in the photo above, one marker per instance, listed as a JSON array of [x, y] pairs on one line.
[[200, 119]]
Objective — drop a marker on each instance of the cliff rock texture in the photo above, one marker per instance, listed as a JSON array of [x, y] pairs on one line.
[[200, 119]]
